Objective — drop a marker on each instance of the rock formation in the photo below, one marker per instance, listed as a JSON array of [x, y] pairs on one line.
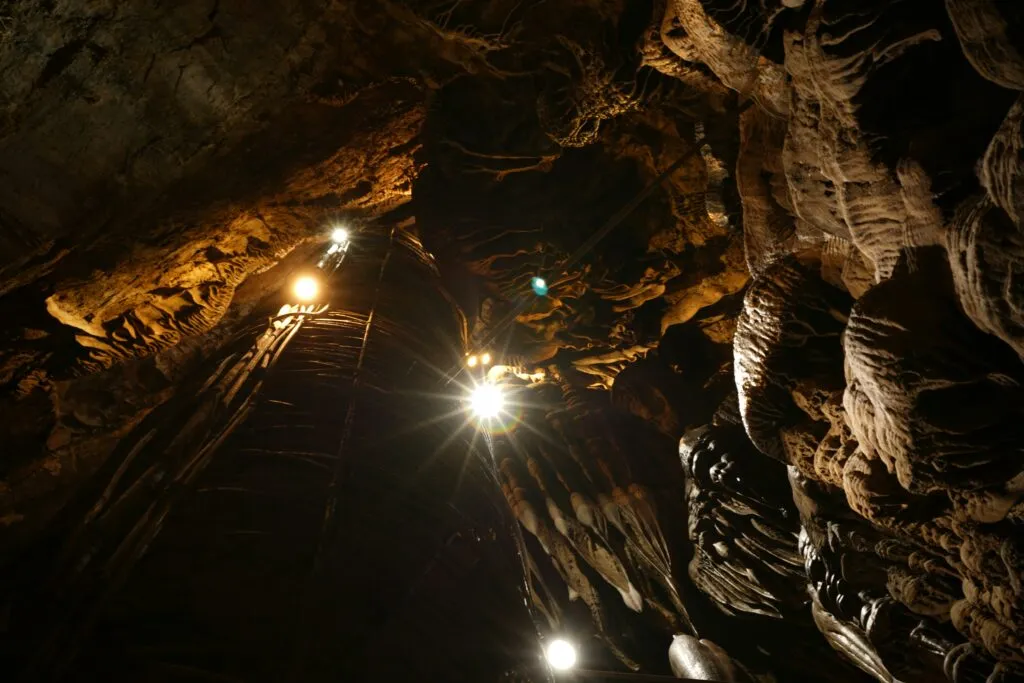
[[769, 407]]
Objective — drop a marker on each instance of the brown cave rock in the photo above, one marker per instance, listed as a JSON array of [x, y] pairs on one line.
[[766, 407]]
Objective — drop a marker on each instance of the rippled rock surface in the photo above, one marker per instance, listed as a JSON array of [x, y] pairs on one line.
[[786, 235]]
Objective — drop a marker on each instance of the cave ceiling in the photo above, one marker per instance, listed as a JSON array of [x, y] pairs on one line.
[[773, 397]]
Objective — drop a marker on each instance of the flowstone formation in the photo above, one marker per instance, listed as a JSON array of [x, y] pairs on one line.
[[772, 397], [877, 354]]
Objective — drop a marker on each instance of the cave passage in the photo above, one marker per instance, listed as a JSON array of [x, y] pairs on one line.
[[512, 341], [233, 532]]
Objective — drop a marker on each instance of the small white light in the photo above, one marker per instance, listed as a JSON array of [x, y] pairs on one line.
[[561, 655], [339, 235], [485, 359], [486, 401], [306, 288], [472, 361]]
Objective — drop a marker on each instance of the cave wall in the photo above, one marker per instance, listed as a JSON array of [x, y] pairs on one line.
[[876, 352], [864, 361], [821, 304]]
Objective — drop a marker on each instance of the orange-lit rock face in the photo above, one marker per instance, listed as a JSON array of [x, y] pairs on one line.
[[183, 284], [200, 245], [823, 300]]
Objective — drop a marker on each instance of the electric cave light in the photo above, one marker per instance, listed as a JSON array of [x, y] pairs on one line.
[[339, 235], [539, 286], [487, 401], [306, 288], [561, 654]]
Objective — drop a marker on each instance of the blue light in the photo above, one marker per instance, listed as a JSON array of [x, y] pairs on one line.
[[539, 286]]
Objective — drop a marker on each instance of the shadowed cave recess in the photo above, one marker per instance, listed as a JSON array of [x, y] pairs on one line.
[[770, 408]]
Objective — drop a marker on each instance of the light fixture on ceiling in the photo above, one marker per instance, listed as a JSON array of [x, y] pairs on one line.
[[561, 654], [487, 401], [339, 235], [306, 288]]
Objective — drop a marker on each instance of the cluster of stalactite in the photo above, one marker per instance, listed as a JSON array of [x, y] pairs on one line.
[[589, 488], [648, 549], [823, 306], [517, 206]]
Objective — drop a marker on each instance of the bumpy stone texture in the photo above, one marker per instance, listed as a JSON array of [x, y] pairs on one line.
[[691, 30], [936, 400], [847, 220], [986, 240], [169, 166], [768, 229], [835, 184], [905, 467], [786, 336], [989, 33]]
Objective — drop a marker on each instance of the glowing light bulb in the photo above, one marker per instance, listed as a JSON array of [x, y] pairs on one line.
[[486, 401], [339, 235], [485, 359], [306, 288], [472, 361], [539, 286], [561, 655]]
